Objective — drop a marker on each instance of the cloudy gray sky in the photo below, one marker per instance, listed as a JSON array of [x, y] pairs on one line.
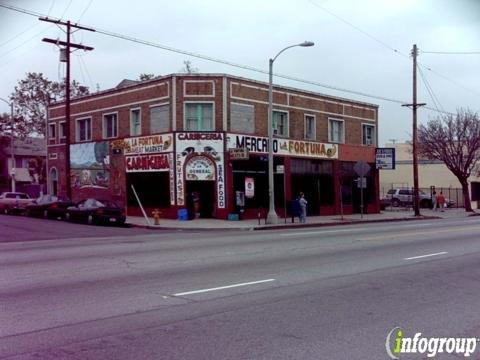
[[354, 42]]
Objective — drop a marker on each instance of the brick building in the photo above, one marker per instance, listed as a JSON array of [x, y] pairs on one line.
[[202, 138]]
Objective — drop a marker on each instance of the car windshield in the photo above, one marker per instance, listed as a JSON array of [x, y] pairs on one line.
[[46, 199]]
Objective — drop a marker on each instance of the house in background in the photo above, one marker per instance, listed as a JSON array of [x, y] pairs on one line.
[[30, 163], [430, 173]]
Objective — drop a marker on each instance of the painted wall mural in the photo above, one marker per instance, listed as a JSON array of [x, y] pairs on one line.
[[90, 165]]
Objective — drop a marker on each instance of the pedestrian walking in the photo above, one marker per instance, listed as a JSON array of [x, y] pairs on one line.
[[441, 201], [303, 207], [434, 200]]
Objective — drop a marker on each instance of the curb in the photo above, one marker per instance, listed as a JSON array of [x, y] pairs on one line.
[[288, 226]]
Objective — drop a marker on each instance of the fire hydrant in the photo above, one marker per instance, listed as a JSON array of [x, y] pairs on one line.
[[156, 216]]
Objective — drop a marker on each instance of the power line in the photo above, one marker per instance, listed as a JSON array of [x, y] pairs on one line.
[[383, 43], [221, 61], [85, 10], [394, 49], [452, 52], [434, 98]]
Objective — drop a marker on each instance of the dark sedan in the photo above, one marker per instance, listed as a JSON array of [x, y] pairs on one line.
[[49, 207], [94, 211]]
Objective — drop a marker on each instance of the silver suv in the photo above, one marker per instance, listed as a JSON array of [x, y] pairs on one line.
[[404, 196]]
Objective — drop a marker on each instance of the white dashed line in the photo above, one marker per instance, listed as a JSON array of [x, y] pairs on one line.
[[223, 287], [424, 256]]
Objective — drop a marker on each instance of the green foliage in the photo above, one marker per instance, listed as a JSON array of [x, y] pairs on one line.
[[144, 77], [31, 98]]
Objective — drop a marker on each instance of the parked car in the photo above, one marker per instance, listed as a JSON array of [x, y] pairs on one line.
[[14, 202], [404, 196], [95, 211], [49, 207]]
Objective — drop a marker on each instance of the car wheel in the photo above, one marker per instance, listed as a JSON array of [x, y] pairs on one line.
[[395, 203], [45, 214], [67, 216], [90, 219]]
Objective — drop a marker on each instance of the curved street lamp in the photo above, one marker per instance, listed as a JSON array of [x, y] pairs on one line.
[[12, 171], [272, 217]]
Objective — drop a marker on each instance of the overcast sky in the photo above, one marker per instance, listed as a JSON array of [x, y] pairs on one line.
[[353, 46]]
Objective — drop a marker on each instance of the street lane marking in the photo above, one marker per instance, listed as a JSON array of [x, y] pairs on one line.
[[321, 232], [223, 287], [424, 256], [427, 232]]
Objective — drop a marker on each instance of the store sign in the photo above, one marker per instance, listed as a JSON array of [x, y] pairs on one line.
[[144, 144], [141, 163], [239, 154], [249, 187], [200, 168], [385, 158], [259, 145], [190, 145]]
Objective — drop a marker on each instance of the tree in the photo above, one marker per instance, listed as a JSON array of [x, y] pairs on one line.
[[455, 140], [144, 77], [188, 68], [31, 98]]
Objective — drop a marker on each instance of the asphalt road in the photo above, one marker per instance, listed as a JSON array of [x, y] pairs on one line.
[[326, 293]]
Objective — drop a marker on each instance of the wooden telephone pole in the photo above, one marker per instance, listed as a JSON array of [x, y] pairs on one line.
[[68, 45], [414, 105]]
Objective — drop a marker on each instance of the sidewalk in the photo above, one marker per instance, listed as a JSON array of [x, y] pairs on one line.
[[312, 221]]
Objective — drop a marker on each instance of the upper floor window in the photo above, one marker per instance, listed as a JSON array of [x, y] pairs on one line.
[[199, 117], [110, 125], [84, 129], [62, 130], [368, 134], [336, 131], [51, 131], [310, 127], [159, 118], [280, 123], [135, 122], [242, 118]]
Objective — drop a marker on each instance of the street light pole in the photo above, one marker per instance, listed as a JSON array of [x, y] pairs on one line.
[[272, 217], [12, 170]]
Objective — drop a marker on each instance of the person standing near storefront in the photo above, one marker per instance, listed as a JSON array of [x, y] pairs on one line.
[[434, 200], [196, 204], [303, 207]]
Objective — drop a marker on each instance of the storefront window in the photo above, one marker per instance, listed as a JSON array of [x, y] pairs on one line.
[[315, 179]]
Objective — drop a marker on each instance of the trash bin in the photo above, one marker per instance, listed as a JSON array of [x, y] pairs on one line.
[[182, 214]]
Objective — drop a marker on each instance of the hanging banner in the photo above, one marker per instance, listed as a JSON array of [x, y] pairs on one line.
[[249, 187], [259, 145], [147, 163], [144, 144]]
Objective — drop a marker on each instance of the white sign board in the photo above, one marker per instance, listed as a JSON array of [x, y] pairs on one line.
[[209, 144], [259, 145], [385, 158], [249, 187]]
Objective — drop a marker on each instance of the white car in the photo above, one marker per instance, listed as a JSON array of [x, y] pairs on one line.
[[14, 202]]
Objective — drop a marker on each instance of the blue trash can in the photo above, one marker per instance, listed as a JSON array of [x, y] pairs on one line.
[[182, 214]]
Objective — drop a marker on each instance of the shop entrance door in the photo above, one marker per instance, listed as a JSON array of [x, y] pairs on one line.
[[203, 193]]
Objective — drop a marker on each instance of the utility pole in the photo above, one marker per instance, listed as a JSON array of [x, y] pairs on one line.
[[414, 105], [67, 48]]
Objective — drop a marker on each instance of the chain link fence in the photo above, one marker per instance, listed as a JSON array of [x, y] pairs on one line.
[[454, 196]]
